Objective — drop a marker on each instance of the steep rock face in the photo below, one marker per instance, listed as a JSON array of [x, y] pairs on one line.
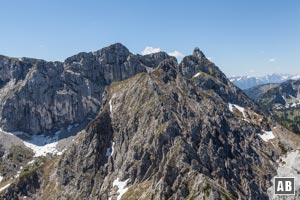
[[113, 63], [25, 106], [38, 96], [166, 136]]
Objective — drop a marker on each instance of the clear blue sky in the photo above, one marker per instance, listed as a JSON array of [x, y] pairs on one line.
[[241, 36]]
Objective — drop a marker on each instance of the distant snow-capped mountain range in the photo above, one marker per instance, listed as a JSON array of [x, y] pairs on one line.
[[245, 82]]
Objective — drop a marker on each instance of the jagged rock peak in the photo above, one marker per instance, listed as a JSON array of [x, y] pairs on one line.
[[168, 65], [152, 60], [116, 49], [167, 70], [116, 46], [198, 53]]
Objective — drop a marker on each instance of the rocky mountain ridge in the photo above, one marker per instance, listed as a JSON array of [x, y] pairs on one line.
[[38, 96], [167, 131]]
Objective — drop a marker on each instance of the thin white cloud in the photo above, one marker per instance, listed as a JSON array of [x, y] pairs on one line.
[[272, 59], [149, 50], [177, 54], [210, 58]]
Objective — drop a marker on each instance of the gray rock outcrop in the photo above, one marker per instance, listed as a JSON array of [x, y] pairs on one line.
[[38, 96]]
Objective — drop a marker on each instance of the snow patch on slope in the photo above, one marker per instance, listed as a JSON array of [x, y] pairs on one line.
[[296, 77], [31, 162], [19, 172], [230, 107], [4, 187], [110, 106], [41, 145], [121, 185], [112, 148], [241, 109], [110, 151], [196, 75], [42, 150], [110, 103], [267, 135]]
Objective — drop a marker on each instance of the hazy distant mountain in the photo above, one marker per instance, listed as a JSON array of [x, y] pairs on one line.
[[259, 90], [245, 82]]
